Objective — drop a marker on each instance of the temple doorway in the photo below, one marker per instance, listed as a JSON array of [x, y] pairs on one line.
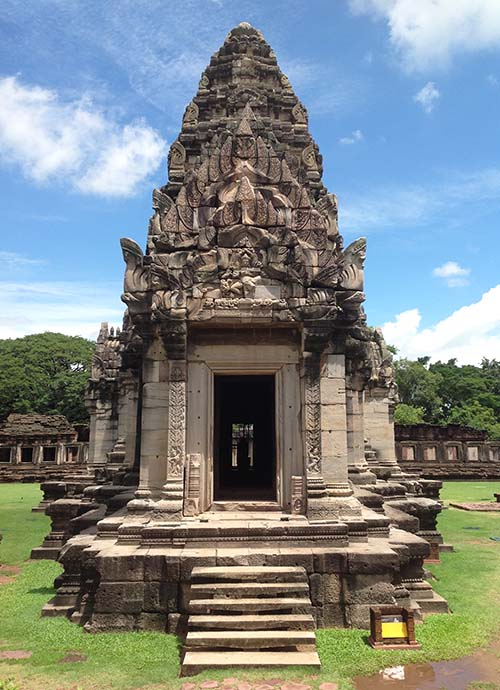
[[244, 438]]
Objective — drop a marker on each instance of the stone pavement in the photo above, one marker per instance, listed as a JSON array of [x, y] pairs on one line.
[[267, 684]]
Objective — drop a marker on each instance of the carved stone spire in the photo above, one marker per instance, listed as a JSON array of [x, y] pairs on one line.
[[245, 215], [244, 72]]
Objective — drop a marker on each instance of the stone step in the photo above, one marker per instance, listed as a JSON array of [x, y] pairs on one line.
[[436, 604], [196, 662], [446, 548], [298, 604], [242, 508], [248, 589], [287, 621], [254, 573], [250, 639], [53, 610]]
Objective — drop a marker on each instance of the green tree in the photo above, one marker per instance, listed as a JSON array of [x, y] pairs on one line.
[[449, 393], [45, 373], [472, 414], [407, 414], [419, 388]]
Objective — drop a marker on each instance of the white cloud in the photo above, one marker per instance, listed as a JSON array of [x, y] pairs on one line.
[[13, 260], [414, 205], [355, 137], [427, 96], [430, 33], [454, 274], [74, 308], [468, 334], [53, 139], [492, 80]]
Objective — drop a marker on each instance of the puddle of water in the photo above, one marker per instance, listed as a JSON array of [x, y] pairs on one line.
[[439, 675]]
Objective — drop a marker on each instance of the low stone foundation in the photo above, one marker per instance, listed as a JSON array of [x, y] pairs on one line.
[[139, 577]]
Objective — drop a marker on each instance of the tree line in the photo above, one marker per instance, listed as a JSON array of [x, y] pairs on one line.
[[45, 373], [446, 393]]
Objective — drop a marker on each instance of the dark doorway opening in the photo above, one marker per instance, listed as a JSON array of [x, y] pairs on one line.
[[244, 438]]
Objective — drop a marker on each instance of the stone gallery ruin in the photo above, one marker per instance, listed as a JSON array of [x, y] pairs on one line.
[[250, 401]]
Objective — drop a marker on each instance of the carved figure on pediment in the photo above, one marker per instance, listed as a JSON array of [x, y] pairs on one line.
[[382, 364], [328, 207], [204, 82], [191, 115], [244, 144], [285, 82], [161, 201], [309, 158], [176, 158], [299, 114], [242, 275]]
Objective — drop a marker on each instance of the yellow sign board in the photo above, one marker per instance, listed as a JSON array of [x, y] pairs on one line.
[[394, 629]]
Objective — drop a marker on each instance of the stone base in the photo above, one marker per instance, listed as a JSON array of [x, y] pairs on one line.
[[135, 574]]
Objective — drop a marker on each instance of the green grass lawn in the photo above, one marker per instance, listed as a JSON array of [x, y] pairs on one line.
[[468, 578], [21, 529]]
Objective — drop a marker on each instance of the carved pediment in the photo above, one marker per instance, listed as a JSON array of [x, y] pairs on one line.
[[240, 223], [244, 236]]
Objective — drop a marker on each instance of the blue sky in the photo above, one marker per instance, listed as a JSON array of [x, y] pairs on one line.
[[404, 103]]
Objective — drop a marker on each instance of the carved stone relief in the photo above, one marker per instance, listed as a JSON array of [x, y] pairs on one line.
[[176, 421]]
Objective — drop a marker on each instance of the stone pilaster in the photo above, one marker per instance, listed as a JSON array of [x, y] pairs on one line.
[[173, 489], [154, 424], [334, 425], [104, 424], [174, 339], [328, 489], [379, 431], [128, 427], [358, 469], [312, 425]]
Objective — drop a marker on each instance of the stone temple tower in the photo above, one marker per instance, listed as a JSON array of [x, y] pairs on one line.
[[245, 382]]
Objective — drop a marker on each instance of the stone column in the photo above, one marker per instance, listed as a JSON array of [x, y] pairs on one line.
[[60, 453], [38, 454], [16, 454], [154, 425], [379, 430], [357, 466]]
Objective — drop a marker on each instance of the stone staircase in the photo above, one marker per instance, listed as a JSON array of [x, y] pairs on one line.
[[249, 616]]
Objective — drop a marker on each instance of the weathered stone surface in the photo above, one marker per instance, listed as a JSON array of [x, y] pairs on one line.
[[118, 597]]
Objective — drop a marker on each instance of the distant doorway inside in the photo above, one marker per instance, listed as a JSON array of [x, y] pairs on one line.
[[244, 438]]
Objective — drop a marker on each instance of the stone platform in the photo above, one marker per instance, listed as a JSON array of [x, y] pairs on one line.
[[486, 507], [136, 574]]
